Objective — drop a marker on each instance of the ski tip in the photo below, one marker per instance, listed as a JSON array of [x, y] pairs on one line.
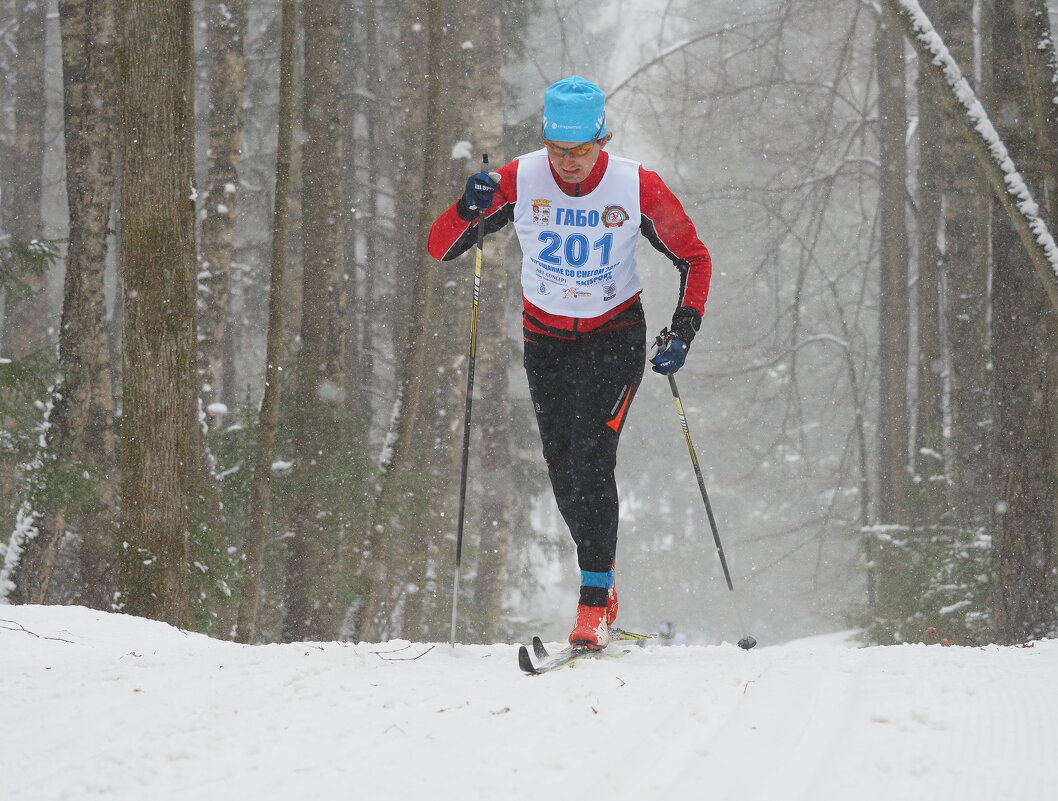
[[525, 663], [539, 649]]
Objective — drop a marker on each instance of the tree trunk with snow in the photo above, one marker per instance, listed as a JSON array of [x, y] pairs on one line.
[[26, 319], [930, 467], [1007, 184], [7, 146], [364, 179], [226, 24], [268, 419], [227, 79], [81, 430], [1041, 63], [893, 301], [313, 554], [155, 69], [464, 57], [966, 204], [415, 510], [888, 579], [1025, 354], [495, 484]]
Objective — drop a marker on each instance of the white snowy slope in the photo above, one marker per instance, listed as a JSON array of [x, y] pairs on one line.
[[95, 705]]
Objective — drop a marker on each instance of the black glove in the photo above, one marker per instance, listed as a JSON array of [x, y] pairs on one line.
[[479, 191], [685, 323]]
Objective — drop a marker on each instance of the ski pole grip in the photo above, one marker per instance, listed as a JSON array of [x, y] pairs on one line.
[[661, 341]]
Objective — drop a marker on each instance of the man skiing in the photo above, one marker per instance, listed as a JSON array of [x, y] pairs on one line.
[[578, 213]]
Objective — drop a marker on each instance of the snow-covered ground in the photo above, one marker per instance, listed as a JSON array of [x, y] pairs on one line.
[[96, 705]]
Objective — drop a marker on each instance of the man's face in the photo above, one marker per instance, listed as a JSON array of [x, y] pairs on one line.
[[572, 168]]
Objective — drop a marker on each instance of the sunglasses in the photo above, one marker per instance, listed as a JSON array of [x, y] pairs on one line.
[[575, 151]]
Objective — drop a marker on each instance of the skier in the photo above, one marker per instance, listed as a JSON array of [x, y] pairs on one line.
[[578, 212]]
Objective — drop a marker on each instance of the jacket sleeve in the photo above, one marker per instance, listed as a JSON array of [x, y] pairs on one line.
[[456, 230], [668, 228]]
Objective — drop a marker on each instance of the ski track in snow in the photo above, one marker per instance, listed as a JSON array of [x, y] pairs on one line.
[[120, 708]]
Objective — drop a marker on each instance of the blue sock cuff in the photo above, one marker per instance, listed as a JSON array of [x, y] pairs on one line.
[[589, 579]]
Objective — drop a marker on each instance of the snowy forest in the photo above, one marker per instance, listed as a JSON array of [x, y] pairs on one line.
[[233, 381]]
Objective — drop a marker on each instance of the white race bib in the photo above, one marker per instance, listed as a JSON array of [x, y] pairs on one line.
[[578, 253]]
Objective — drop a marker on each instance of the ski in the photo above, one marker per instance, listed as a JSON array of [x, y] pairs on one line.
[[615, 634], [565, 658], [568, 656]]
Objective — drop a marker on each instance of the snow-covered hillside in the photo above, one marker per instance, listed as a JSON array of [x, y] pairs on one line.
[[105, 706]]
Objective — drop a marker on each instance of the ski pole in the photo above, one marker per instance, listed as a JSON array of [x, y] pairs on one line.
[[471, 361], [747, 641]]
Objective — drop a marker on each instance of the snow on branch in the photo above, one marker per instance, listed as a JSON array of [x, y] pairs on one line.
[[25, 530], [1007, 183]]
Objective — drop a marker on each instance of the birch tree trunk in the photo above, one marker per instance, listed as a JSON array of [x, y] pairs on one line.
[[157, 238]]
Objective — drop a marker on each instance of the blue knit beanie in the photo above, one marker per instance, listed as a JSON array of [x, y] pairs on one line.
[[573, 111]]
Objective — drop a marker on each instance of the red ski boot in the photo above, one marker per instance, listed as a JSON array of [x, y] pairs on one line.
[[590, 630]]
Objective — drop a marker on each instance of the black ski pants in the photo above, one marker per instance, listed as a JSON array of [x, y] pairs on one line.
[[581, 390]]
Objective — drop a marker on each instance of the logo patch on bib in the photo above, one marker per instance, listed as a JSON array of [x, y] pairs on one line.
[[573, 293], [542, 211], [614, 216]]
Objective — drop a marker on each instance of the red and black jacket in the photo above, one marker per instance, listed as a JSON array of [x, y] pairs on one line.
[[664, 223]]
